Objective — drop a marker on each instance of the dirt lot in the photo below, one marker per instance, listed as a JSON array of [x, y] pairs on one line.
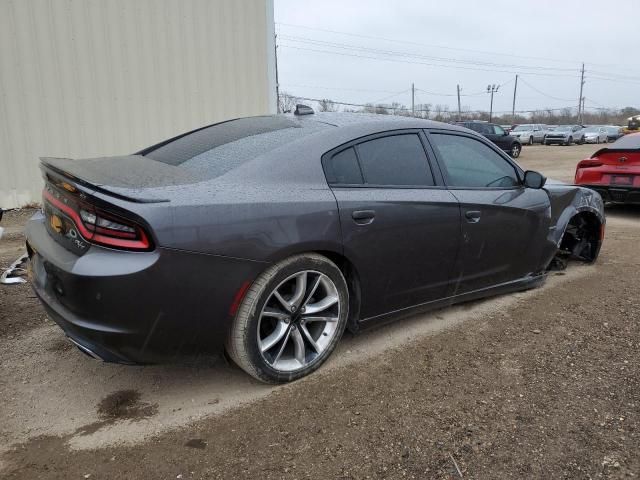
[[540, 384]]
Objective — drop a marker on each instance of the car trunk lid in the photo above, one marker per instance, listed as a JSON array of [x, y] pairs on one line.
[[129, 177]]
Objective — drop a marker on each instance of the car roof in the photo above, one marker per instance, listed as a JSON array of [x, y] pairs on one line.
[[381, 121]]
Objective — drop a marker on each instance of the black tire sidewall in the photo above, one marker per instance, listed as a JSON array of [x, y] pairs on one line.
[[514, 146], [265, 371]]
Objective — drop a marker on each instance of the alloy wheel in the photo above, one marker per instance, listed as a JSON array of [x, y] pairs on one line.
[[298, 321]]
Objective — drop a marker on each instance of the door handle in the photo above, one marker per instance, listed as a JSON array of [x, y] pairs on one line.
[[473, 216], [363, 217]]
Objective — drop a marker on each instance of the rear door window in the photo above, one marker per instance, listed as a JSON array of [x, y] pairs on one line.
[[342, 168], [397, 160]]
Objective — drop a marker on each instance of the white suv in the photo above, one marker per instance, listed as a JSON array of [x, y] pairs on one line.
[[530, 133]]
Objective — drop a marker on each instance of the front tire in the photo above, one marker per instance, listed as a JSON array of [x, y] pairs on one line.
[[515, 150], [290, 320], [569, 141], [530, 140]]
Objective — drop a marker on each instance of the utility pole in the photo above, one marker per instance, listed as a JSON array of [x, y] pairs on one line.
[[277, 84], [459, 109], [492, 89], [582, 119], [413, 100], [513, 107], [580, 97]]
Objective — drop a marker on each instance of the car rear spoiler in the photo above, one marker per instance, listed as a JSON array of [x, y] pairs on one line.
[[54, 165]]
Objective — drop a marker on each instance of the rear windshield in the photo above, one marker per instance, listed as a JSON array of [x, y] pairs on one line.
[[217, 149]]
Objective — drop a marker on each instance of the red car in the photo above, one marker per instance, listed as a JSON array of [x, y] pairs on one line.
[[614, 171]]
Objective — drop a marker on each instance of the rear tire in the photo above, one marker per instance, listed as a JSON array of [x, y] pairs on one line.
[[271, 337]]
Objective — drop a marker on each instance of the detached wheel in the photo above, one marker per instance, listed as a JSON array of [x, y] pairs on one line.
[[290, 320], [515, 150]]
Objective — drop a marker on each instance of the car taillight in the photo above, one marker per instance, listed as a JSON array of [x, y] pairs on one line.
[[590, 163], [100, 227]]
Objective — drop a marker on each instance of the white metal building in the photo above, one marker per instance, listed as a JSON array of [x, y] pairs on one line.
[[88, 78]]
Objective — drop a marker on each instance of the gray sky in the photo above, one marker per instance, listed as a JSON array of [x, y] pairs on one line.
[[488, 42]]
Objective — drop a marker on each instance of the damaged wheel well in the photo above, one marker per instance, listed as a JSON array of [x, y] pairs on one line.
[[581, 239]]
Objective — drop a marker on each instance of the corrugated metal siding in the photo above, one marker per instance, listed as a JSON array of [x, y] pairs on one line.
[[83, 78]]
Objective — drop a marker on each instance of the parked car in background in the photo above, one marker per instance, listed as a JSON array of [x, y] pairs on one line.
[[496, 134], [614, 132], [507, 128], [268, 236], [530, 133], [595, 134], [565, 135], [614, 171]]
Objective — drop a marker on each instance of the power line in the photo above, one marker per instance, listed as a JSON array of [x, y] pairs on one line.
[[395, 60], [394, 95], [319, 87], [324, 43], [371, 37], [616, 80], [543, 93]]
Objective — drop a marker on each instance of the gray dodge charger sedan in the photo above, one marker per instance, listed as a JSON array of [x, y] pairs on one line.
[[267, 236]]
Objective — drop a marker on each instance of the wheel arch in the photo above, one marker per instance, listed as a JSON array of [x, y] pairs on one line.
[[351, 275], [589, 221]]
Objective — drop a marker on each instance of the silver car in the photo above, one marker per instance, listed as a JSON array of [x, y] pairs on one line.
[[530, 133], [596, 134]]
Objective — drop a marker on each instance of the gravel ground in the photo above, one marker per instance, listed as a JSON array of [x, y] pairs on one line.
[[539, 384]]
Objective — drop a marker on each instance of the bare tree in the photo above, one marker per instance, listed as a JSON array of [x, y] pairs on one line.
[[326, 105], [423, 110], [286, 102]]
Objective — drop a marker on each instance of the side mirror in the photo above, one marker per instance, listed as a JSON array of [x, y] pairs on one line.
[[534, 179], [505, 133]]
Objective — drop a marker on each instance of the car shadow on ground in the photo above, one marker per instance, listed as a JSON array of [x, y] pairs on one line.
[[630, 212]]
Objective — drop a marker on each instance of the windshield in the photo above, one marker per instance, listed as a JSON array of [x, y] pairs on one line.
[[523, 128], [562, 128], [592, 129]]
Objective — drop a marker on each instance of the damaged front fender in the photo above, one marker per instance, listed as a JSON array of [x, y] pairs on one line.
[[577, 222]]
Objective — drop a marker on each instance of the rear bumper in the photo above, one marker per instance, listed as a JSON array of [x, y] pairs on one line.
[[617, 194], [144, 307]]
